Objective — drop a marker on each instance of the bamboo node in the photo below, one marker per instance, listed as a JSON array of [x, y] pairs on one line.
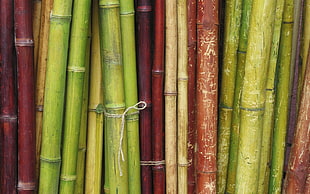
[[39, 108], [144, 8], [252, 109], [106, 6], [61, 17], [152, 163], [50, 160], [28, 186], [76, 69], [8, 117], [24, 42], [183, 164], [68, 177]]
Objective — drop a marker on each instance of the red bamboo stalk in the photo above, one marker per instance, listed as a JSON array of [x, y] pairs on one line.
[[8, 105], [207, 94], [307, 186], [192, 50], [299, 160], [157, 98], [144, 61], [26, 105]]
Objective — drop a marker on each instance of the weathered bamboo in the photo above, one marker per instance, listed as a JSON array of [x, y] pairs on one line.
[[24, 46], [207, 94], [36, 25], [50, 158], [228, 77], [295, 181], [307, 184], [282, 99], [114, 97], [157, 98], [8, 104], [170, 92], [253, 95]]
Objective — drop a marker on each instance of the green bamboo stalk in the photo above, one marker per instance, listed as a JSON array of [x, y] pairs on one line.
[[182, 103], [282, 99], [113, 81], [54, 96], [253, 95], [268, 125], [93, 174], [231, 39], [131, 93], [235, 123]]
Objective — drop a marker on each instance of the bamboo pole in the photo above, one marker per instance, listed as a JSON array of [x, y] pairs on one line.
[[131, 94], [50, 158], [36, 18], [94, 154], [157, 98], [24, 45], [229, 68], [207, 94], [8, 104], [170, 93], [253, 95], [114, 103], [235, 124], [74, 94], [282, 99]]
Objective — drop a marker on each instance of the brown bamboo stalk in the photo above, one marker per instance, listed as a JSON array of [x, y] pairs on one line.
[[36, 17], [207, 94]]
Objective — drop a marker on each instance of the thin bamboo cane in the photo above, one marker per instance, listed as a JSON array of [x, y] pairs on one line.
[[131, 94], [114, 103], [74, 94], [8, 104], [192, 60], [50, 158], [36, 17], [24, 45], [207, 94], [144, 61], [268, 119], [170, 92], [282, 99], [296, 178], [94, 154], [229, 67], [182, 102], [157, 97], [40, 76], [235, 124], [253, 95]]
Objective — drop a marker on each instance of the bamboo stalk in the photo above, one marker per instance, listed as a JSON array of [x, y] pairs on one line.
[[253, 95], [74, 94], [182, 104], [192, 61], [36, 17], [114, 103], [8, 104], [94, 154], [50, 158], [131, 94], [157, 97], [170, 93], [235, 124], [307, 184], [229, 68], [24, 45], [282, 99], [207, 94], [295, 181]]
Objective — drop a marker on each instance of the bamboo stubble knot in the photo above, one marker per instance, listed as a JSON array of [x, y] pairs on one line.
[[136, 107]]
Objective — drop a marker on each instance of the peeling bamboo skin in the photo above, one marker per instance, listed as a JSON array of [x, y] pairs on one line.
[[253, 95], [298, 169], [8, 108], [24, 46], [207, 94], [170, 92]]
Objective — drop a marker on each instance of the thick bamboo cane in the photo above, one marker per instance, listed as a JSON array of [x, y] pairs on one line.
[[36, 26], [192, 61], [253, 95], [24, 45], [282, 99], [74, 94], [8, 103], [207, 94], [228, 77], [114, 97], [157, 98], [170, 92], [295, 181], [50, 158]]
